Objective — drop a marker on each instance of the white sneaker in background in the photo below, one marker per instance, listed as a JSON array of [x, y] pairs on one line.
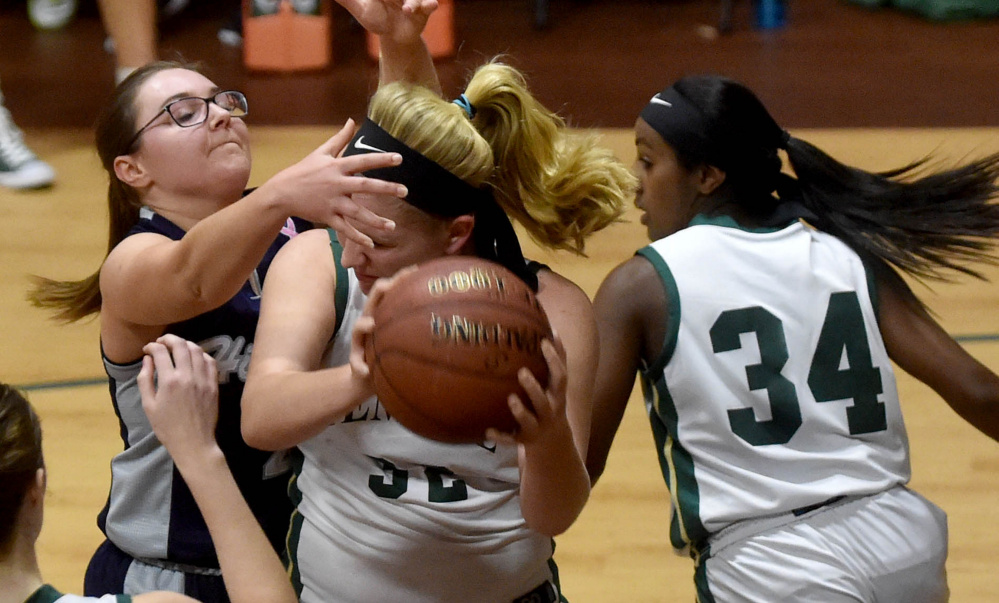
[[51, 14], [19, 168]]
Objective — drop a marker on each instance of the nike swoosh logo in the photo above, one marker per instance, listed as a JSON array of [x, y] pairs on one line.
[[655, 100], [366, 147]]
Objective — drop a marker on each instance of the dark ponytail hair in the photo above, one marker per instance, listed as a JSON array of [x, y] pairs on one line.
[[116, 126], [916, 219]]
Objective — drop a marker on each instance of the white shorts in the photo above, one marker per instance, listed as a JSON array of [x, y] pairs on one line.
[[890, 546]]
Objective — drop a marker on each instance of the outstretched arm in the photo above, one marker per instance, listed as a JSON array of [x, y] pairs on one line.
[[150, 280], [399, 25], [182, 407], [921, 347], [627, 307]]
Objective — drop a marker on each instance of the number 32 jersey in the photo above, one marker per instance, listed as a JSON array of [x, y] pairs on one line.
[[774, 390]]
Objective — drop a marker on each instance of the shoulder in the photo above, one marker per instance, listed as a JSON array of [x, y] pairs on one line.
[[123, 255], [632, 276], [633, 292], [311, 246], [304, 269], [557, 288]]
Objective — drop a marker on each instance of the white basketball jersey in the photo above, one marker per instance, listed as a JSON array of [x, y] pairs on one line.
[[774, 391], [392, 516]]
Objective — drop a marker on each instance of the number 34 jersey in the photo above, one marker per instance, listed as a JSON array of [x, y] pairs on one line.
[[774, 390]]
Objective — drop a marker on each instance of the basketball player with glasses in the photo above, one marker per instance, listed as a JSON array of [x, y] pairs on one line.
[[188, 251]]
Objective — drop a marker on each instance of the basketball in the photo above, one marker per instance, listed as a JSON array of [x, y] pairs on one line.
[[447, 343]]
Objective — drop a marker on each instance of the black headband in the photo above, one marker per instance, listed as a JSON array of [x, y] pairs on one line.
[[431, 187], [679, 122], [437, 191]]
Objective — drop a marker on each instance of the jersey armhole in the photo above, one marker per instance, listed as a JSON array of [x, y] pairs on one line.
[[672, 313], [342, 281]]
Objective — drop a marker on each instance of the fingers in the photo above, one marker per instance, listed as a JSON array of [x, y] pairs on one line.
[[428, 6], [162, 360], [211, 372], [345, 231], [539, 397], [145, 381], [423, 6], [527, 421], [500, 437], [359, 339], [172, 358], [369, 161], [384, 285], [336, 143]]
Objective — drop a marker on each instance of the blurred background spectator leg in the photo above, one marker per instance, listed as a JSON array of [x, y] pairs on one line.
[[132, 29], [19, 167]]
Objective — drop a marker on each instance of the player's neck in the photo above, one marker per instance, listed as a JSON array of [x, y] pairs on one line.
[[19, 574]]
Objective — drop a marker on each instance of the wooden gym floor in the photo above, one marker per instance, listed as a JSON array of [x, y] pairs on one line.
[[886, 105]]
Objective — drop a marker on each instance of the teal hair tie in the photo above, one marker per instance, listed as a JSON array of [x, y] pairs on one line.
[[462, 101]]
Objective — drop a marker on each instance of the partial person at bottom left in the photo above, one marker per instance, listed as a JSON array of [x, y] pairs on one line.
[[179, 392]]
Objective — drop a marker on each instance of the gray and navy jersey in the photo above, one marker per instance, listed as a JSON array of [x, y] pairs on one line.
[[150, 513]]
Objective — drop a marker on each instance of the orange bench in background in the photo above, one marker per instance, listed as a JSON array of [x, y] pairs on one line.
[[296, 35]]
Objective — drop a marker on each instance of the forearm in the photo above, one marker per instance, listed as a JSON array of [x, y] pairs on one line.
[[407, 62], [280, 409], [219, 253], [251, 569], [554, 487]]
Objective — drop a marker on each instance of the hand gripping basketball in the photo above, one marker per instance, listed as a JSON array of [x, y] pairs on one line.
[[448, 341]]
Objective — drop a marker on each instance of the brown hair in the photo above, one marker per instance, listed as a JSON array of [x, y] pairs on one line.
[[20, 457], [116, 126]]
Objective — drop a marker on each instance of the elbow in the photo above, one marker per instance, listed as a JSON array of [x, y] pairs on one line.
[[254, 436], [549, 527], [978, 404], [983, 395], [595, 468], [555, 523], [254, 429]]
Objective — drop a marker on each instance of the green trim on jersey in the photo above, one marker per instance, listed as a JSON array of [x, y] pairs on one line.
[[672, 304], [729, 222], [292, 566], [295, 527], [702, 587], [45, 594], [554, 570], [676, 464], [342, 280]]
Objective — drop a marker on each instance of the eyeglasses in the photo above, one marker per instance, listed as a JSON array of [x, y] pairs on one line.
[[192, 111]]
